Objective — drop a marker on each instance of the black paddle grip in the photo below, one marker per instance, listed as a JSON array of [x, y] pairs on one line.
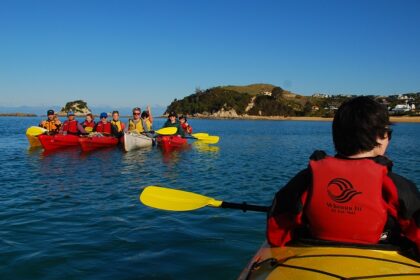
[[244, 206]]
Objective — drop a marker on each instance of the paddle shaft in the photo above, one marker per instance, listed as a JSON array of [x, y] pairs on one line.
[[244, 206]]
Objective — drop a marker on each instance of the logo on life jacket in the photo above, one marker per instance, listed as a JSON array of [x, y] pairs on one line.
[[341, 190]]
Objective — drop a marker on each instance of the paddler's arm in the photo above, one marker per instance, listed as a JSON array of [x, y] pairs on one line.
[[285, 214], [407, 204], [150, 114]]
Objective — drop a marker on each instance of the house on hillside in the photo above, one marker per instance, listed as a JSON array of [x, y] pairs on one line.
[[404, 108]]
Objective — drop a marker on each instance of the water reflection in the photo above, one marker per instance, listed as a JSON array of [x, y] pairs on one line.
[[205, 148]]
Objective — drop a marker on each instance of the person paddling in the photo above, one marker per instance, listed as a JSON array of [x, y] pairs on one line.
[[72, 126], [184, 124], [89, 123], [52, 123], [118, 125], [352, 197], [172, 121]]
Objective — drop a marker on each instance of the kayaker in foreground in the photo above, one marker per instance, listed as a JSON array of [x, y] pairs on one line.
[[52, 123], [185, 126], [72, 126], [118, 125], [173, 122], [89, 123], [135, 124], [353, 197]]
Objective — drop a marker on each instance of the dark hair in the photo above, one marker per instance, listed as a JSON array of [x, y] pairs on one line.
[[357, 125], [144, 114], [183, 117], [115, 112], [90, 115]]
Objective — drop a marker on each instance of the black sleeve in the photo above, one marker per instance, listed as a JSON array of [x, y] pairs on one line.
[[287, 199], [408, 197]]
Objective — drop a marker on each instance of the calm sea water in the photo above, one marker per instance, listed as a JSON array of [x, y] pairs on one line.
[[69, 215]]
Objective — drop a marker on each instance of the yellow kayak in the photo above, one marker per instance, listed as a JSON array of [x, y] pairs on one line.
[[33, 141], [329, 263], [32, 134]]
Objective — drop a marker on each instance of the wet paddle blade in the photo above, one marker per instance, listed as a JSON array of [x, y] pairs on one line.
[[175, 200], [210, 140], [35, 131], [200, 135], [166, 131]]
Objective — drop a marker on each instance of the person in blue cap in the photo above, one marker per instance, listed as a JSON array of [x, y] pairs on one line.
[[72, 126], [52, 123], [104, 126]]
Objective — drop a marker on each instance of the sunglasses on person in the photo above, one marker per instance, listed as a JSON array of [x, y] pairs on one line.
[[136, 114], [103, 117]]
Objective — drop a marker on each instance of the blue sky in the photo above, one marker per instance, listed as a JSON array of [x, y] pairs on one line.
[[126, 53]]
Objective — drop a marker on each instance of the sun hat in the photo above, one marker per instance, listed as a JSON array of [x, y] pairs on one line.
[[103, 115], [50, 112]]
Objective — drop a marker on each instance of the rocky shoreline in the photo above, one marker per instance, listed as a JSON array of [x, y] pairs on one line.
[[400, 119]]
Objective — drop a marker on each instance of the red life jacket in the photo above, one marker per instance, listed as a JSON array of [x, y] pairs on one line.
[[71, 127], [104, 128], [88, 124], [345, 202], [186, 128]]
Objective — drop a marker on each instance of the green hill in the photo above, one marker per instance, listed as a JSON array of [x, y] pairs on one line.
[[270, 100]]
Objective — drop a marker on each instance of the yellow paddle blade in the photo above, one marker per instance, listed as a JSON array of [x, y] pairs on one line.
[[35, 131], [88, 129], [167, 131], [175, 200], [200, 135], [210, 139]]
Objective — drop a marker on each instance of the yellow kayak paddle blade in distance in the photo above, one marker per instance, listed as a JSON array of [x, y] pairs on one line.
[[210, 139], [35, 131], [175, 200], [200, 135], [166, 131]]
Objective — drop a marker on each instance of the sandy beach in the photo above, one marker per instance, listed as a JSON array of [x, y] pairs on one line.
[[402, 119]]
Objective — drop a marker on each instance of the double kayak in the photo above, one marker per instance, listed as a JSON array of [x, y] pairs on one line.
[[97, 142], [302, 262], [171, 142], [133, 141], [58, 141]]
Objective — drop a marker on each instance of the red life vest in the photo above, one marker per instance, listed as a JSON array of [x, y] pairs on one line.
[[104, 128], [71, 127], [345, 202], [88, 124], [186, 128]]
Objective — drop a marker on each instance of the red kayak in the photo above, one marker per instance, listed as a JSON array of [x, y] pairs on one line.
[[171, 142], [92, 143], [58, 141]]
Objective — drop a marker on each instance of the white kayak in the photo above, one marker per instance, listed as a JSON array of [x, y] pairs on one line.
[[133, 141]]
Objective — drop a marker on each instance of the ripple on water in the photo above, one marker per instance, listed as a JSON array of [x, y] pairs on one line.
[[77, 216]]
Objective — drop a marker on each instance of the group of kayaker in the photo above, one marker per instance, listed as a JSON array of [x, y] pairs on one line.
[[141, 122]]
